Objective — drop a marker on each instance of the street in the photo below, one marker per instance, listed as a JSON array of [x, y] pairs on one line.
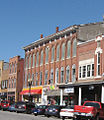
[[5, 115]]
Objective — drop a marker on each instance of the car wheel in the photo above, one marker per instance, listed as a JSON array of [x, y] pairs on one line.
[[35, 114], [63, 118]]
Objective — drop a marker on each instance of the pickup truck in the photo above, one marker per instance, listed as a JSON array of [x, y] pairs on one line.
[[90, 110]]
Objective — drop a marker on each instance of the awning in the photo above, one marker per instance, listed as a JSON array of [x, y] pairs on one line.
[[35, 90]]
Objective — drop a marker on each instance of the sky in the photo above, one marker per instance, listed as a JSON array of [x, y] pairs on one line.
[[22, 21]]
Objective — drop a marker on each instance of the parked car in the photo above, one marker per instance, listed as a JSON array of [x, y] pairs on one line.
[[53, 110], [24, 106], [0, 105], [67, 112], [92, 110], [12, 107], [5, 104], [40, 110]]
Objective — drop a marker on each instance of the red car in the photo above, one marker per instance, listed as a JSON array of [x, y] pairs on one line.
[[5, 104]]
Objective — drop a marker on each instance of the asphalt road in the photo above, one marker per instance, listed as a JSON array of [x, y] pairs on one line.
[[6, 115]]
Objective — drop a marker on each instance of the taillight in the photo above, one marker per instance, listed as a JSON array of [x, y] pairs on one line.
[[56, 110], [62, 111], [46, 109]]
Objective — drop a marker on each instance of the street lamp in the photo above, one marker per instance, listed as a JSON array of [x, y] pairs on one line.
[[30, 83]]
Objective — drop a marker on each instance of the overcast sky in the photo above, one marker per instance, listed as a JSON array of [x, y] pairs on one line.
[[22, 21]]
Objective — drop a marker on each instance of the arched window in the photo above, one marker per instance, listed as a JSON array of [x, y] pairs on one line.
[[58, 52], [67, 74], [32, 79], [37, 59], [74, 73], [41, 59], [47, 55], [53, 54], [62, 74], [46, 77], [40, 78], [26, 62], [36, 79], [68, 49], [63, 51], [30, 61], [28, 76], [51, 76], [74, 47], [33, 64], [57, 76]]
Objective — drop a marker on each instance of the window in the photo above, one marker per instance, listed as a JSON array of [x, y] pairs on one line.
[[98, 63], [33, 64], [57, 76], [84, 72], [63, 51], [80, 72], [30, 61], [62, 74], [0, 72], [88, 70], [51, 76], [67, 74], [37, 59], [15, 67], [9, 82], [46, 77], [74, 47], [40, 78], [68, 49], [26, 62], [14, 82], [74, 73], [41, 59], [36, 79], [92, 69], [58, 52], [53, 54], [10, 68], [47, 55], [98, 44], [28, 76], [32, 79]]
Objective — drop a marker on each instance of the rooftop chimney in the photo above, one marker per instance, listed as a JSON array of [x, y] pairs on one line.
[[41, 36], [57, 29]]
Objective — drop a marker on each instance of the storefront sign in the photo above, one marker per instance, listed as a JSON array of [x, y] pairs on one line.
[[69, 90]]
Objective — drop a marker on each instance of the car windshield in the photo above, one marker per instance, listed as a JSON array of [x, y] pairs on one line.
[[5, 102], [92, 104], [42, 107]]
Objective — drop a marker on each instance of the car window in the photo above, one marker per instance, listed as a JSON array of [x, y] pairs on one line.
[[92, 104]]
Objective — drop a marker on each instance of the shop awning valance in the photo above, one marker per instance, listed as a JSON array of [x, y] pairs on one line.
[[35, 90]]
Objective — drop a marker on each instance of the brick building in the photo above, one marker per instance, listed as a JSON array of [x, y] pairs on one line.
[[54, 64], [16, 74]]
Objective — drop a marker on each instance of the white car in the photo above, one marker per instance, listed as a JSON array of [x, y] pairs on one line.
[[67, 112]]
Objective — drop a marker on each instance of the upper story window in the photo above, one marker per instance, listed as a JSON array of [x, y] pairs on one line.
[[74, 73], [47, 55], [84, 72], [14, 82], [46, 77], [62, 74], [80, 72], [57, 76], [32, 79], [67, 74], [53, 54], [33, 63], [37, 59], [74, 47], [36, 82], [88, 70], [12, 67], [40, 78], [15, 66], [68, 49], [63, 51], [98, 63], [30, 61], [26, 61], [51, 76], [0, 72], [58, 52], [41, 59]]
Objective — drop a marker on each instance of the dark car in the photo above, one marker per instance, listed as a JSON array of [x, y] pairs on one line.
[[53, 110], [40, 110], [24, 106], [5, 104], [12, 107]]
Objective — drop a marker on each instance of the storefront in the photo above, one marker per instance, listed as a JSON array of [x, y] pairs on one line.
[[34, 94]]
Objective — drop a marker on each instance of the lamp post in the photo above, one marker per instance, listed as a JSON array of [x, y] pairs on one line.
[[30, 83]]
